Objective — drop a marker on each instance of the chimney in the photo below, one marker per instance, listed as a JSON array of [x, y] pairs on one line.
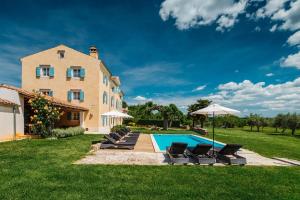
[[94, 52]]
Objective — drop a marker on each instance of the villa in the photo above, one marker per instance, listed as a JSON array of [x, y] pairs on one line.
[[81, 84]]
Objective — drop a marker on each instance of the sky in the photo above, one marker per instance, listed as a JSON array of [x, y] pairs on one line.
[[244, 54]]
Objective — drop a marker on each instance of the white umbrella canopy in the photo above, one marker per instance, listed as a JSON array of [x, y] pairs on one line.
[[216, 109], [115, 113]]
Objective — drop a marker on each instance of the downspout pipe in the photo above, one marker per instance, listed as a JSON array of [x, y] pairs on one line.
[[15, 121]]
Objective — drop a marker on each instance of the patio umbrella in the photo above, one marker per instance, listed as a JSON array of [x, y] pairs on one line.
[[116, 114], [214, 110]]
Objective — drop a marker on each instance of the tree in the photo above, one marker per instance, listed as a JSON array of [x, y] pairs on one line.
[[264, 123], [293, 122], [201, 103], [165, 113], [277, 121], [257, 121], [251, 121], [174, 114]]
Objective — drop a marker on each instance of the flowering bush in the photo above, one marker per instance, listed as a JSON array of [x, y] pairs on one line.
[[45, 114]]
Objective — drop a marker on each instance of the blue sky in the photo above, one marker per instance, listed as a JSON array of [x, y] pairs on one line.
[[243, 54]]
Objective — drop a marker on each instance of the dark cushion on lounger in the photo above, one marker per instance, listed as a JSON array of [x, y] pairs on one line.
[[200, 149], [177, 148], [230, 149]]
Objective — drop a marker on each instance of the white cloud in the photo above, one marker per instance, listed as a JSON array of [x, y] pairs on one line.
[[290, 16], [273, 28], [199, 88], [258, 97], [294, 39], [292, 60], [193, 13], [271, 7], [245, 96], [141, 99], [270, 74]]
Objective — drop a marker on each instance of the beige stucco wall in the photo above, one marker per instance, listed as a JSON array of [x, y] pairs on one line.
[[6, 114], [92, 84]]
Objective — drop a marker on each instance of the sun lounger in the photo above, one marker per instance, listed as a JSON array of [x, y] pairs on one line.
[[176, 152], [120, 138], [115, 142], [112, 146], [200, 154], [228, 154]]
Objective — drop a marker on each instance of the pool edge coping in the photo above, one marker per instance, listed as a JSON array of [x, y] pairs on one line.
[[157, 149]]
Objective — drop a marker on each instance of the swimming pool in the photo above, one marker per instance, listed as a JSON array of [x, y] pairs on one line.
[[162, 141]]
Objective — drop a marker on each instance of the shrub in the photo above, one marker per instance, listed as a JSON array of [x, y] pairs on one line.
[[44, 116], [68, 132], [119, 127], [131, 124]]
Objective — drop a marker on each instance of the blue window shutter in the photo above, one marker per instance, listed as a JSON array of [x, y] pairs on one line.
[[69, 115], [82, 73], [38, 71], [51, 93], [69, 72], [51, 72], [69, 95], [81, 95]]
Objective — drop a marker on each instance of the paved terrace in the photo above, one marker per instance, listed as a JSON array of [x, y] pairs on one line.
[[144, 154]]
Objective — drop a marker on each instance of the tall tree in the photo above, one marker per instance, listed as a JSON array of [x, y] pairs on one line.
[[293, 122], [165, 113], [201, 103], [174, 114]]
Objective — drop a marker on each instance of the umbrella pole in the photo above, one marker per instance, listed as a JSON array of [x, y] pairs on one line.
[[213, 133]]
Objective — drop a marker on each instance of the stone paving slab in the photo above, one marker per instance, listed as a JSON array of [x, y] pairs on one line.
[[123, 158]]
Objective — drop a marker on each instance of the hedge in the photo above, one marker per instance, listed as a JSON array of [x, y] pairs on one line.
[[160, 123], [68, 132]]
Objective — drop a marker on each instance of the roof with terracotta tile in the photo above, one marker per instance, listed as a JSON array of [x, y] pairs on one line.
[[6, 102], [55, 101]]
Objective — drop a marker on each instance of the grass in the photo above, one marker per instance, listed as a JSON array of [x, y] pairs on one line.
[[43, 169]]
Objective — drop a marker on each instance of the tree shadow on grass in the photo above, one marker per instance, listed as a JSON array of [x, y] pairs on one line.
[[283, 134]]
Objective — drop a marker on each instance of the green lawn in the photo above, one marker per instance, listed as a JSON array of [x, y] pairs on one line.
[[43, 169]]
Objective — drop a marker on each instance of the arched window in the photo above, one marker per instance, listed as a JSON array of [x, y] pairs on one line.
[[112, 103], [105, 80], [117, 104], [104, 97]]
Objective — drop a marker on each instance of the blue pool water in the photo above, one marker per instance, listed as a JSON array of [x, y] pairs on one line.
[[165, 140]]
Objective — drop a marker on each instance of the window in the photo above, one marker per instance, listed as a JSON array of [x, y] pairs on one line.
[[105, 80], [45, 71], [76, 72], [104, 121], [112, 102], [73, 116], [105, 98], [46, 92], [117, 104], [61, 53], [76, 95]]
